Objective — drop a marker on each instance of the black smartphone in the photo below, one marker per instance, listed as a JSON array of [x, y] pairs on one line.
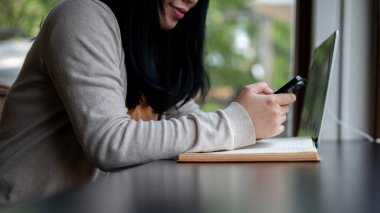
[[293, 86]]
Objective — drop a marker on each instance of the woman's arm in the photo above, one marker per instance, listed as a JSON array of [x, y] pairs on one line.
[[83, 55]]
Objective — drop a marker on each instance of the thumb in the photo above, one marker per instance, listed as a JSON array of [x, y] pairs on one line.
[[261, 87]]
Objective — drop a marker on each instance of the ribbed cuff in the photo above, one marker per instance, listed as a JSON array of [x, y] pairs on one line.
[[244, 133]]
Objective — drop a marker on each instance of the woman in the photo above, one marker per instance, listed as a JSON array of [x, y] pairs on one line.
[[106, 86]]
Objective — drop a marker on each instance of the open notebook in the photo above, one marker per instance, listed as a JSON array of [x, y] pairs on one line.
[[303, 147], [275, 149]]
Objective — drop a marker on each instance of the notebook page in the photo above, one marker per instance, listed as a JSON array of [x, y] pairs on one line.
[[276, 145]]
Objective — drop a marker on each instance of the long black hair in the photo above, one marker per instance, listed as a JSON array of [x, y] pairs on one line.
[[164, 67]]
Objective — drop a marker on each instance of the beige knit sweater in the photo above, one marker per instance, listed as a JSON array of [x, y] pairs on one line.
[[65, 121]]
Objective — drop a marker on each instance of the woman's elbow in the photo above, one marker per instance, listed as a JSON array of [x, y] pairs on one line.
[[112, 160]]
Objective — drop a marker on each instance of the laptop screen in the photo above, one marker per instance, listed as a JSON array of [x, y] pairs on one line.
[[316, 88]]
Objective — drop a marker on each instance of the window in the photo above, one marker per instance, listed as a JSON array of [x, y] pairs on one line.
[[376, 68], [349, 104]]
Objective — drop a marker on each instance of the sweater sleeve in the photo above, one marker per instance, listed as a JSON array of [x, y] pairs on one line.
[[83, 54], [182, 110]]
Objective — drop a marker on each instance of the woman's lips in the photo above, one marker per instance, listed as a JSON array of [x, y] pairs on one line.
[[179, 12]]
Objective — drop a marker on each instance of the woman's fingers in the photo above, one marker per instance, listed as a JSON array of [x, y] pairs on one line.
[[285, 99], [284, 109]]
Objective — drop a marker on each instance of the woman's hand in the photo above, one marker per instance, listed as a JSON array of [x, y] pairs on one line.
[[266, 110]]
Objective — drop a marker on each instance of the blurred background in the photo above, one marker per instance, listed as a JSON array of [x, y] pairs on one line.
[[247, 41], [20, 21]]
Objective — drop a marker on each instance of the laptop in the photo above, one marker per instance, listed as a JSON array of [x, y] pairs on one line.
[[304, 146], [317, 88]]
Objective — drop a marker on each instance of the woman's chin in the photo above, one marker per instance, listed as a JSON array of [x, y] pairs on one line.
[[169, 25]]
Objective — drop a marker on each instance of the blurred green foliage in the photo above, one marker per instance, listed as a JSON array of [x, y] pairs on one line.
[[227, 64], [282, 33], [22, 18], [211, 106]]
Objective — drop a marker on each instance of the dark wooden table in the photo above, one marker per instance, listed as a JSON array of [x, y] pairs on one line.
[[346, 180]]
